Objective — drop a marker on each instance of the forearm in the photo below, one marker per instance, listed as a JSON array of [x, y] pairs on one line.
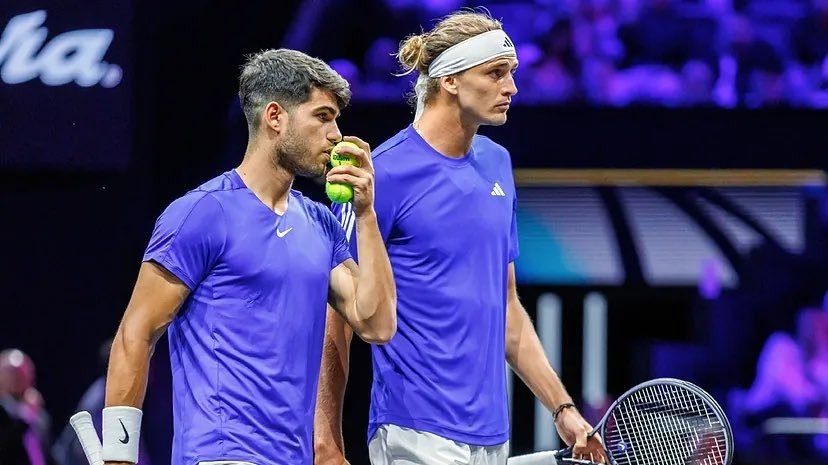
[[126, 385], [333, 377], [527, 358], [526, 355], [126, 379], [376, 296]]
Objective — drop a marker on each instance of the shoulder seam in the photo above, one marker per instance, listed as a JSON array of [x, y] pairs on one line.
[[386, 149], [184, 220], [223, 189], [223, 217]]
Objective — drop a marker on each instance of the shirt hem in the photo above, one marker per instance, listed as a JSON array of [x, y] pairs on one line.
[[237, 461], [250, 460], [448, 433], [172, 269]]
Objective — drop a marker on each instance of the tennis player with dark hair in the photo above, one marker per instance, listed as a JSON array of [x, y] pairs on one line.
[[240, 270], [446, 209]]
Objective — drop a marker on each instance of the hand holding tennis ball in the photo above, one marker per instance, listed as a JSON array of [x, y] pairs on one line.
[[341, 192], [352, 175]]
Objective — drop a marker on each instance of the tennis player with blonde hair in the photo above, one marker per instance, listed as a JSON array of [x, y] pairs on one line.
[[445, 203]]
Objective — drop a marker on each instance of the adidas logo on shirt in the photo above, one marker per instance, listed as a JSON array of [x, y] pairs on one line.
[[508, 43], [497, 191]]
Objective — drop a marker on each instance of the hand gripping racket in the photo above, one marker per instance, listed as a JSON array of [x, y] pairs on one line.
[[664, 421]]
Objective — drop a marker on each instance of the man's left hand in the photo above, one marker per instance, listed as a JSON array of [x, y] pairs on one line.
[[361, 177]]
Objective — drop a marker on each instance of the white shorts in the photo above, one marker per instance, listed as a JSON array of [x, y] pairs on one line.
[[396, 445]]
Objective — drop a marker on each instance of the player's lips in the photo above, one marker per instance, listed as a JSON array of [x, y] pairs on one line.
[[503, 106]]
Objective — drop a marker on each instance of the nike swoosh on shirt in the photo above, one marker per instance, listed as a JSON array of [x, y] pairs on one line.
[[125, 440], [283, 233]]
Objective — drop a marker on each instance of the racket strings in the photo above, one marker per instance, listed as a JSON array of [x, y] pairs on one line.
[[665, 425]]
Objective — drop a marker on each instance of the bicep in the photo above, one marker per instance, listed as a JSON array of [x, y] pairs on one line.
[[517, 320], [157, 296], [343, 285]]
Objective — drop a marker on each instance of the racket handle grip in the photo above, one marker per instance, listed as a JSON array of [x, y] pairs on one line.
[[82, 424], [561, 459]]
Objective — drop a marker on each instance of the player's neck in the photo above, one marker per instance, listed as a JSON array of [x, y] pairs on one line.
[[270, 183], [446, 131]]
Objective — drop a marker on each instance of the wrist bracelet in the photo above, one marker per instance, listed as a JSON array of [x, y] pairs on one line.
[[560, 409]]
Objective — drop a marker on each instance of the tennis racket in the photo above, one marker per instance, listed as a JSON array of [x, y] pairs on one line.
[[660, 422]]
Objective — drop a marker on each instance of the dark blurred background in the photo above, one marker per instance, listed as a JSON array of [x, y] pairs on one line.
[[669, 154]]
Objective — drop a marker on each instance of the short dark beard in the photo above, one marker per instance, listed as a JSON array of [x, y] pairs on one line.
[[292, 156]]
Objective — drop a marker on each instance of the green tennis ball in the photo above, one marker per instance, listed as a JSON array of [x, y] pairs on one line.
[[341, 192], [343, 158]]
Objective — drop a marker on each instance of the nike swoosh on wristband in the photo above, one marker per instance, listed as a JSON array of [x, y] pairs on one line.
[[125, 440]]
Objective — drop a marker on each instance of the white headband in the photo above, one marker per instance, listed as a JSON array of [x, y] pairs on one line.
[[462, 56]]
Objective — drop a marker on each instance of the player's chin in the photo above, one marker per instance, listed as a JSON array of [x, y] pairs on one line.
[[314, 171], [497, 119]]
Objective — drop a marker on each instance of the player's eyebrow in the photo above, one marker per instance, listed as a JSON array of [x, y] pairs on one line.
[[504, 62], [327, 109]]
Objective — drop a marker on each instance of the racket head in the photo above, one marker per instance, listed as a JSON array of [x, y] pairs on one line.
[[664, 421]]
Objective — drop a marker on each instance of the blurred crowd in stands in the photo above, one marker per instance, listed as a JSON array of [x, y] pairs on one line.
[[783, 416], [675, 53], [26, 436]]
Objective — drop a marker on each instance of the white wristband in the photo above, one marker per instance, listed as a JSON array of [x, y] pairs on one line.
[[121, 432]]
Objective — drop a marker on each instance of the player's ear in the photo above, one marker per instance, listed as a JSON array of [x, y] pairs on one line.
[[274, 116], [449, 83]]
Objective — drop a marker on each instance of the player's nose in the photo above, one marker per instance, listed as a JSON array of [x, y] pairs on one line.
[[334, 135], [510, 88]]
